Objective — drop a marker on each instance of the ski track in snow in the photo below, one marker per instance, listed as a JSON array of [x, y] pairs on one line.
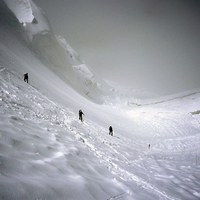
[[17, 95]]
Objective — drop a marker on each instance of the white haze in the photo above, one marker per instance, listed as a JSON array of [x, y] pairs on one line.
[[152, 45], [46, 153]]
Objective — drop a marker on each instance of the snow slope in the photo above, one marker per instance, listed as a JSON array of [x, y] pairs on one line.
[[47, 153]]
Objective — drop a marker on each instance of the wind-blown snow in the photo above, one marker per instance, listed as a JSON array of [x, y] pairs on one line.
[[47, 153]]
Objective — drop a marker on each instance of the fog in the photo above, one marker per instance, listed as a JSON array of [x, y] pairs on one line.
[[149, 44]]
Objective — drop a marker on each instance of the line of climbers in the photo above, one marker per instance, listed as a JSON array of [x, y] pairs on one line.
[[80, 111]]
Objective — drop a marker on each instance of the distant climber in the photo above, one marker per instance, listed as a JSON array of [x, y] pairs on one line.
[[111, 131], [81, 115], [26, 77]]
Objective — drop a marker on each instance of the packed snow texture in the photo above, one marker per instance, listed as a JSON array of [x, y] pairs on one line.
[[47, 153]]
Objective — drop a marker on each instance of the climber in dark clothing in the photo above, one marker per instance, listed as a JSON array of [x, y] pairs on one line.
[[26, 77], [81, 115], [111, 131]]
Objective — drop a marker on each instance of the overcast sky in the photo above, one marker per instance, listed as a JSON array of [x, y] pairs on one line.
[[144, 44]]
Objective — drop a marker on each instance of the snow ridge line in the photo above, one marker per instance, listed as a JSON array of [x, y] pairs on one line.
[[166, 100]]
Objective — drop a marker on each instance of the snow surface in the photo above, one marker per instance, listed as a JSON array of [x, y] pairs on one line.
[[47, 153]]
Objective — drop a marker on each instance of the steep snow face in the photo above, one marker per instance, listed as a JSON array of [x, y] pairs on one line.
[[58, 56], [59, 59], [40, 150], [22, 10]]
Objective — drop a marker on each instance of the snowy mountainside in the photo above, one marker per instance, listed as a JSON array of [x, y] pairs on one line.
[[47, 153], [56, 54]]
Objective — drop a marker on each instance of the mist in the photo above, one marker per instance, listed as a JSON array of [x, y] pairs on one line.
[[150, 45]]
